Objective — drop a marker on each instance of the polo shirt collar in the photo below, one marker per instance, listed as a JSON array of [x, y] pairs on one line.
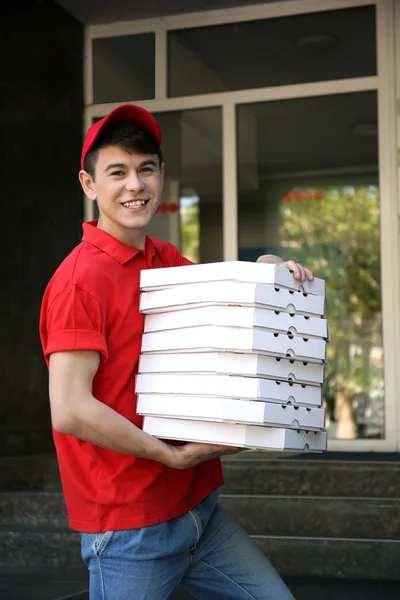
[[113, 247]]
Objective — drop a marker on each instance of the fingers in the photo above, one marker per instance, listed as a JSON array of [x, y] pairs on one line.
[[296, 268], [231, 450], [193, 453], [299, 272], [303, 275], [217, 449], [310, 274]]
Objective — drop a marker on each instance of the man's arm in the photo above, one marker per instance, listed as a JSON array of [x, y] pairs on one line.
[[76, 412]]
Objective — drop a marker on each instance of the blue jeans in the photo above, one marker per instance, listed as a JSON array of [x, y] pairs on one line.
[[204, 551]]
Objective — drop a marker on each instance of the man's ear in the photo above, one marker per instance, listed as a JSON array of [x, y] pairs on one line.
[[162, 171], [87, 184]]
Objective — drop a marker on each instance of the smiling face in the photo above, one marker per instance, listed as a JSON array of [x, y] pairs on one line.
[[127, 186]]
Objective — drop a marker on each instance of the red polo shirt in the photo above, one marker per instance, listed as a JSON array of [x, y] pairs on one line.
[[92, 303]]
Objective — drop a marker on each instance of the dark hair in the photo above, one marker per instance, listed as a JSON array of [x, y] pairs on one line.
[[128, 134]]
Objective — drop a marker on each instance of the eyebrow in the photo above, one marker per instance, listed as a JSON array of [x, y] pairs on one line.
[[114, 166], [149, 162], [145, 163]]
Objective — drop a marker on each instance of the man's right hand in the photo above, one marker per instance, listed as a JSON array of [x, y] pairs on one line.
[[194, 453]]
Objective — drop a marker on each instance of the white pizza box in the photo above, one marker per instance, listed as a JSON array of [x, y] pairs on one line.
[[252, 388], [235, 434], [237, 294], [212, 337], [231, 410], [248, 272], [239, 316], [231, 363]]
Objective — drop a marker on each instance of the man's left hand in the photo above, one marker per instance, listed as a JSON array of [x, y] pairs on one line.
[[299, 272]]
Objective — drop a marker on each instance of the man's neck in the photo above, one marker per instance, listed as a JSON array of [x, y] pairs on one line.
[[136, 238]]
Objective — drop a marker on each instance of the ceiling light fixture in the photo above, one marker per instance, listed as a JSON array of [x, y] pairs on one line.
[[365, 129], [318, 41]]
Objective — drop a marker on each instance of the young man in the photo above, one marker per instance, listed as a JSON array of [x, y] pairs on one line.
[[147, 510]]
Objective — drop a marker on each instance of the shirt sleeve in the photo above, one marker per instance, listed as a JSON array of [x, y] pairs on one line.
[[74, 321], [179, 260]]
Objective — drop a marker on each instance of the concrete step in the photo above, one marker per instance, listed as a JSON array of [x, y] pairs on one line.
[[328, 557], [259, 514], [32, 509], [52, 583], [248, 473], [42, 583], [310, 516], [27, 547], [292, 556], [23, 473], [255, 473]]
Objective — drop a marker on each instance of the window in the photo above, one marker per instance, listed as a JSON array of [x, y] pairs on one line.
[[298, 49], [123, 68]]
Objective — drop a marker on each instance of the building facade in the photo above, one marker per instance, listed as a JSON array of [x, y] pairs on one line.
[[280, 134], [279, 129]]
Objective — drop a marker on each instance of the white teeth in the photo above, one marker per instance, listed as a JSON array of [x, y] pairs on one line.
[[134, 204]]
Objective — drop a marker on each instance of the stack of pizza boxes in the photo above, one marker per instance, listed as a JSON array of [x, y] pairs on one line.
[[233, 353]]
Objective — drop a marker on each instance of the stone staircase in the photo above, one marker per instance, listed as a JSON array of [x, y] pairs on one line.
[[321, 517], [318, 517]]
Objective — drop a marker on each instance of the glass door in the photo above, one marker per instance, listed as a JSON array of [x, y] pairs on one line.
[[314, 197]]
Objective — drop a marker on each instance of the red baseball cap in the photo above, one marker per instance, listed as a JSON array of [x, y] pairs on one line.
[[125, 112]]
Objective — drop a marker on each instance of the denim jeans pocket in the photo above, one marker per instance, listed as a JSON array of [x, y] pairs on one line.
[[101, 541]]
